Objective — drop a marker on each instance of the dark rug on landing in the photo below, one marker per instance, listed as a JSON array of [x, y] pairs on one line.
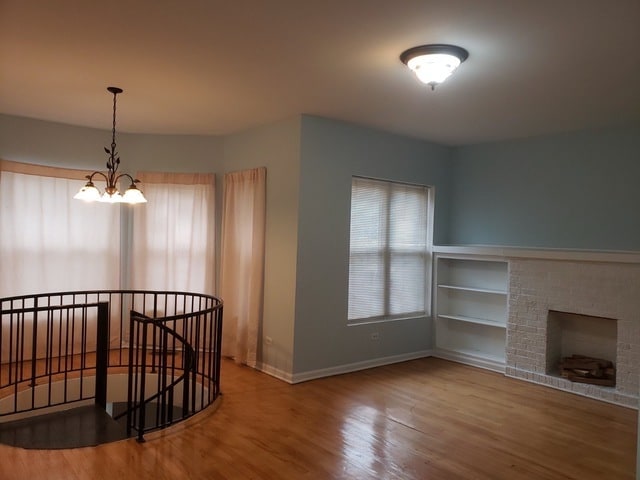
[[79, 427]]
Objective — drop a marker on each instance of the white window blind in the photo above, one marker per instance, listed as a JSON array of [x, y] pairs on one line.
[[389, 249]]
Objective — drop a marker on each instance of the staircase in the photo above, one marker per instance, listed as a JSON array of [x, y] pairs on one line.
[[117, 360]]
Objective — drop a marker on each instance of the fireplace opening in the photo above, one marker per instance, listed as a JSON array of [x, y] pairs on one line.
[[581, 347]]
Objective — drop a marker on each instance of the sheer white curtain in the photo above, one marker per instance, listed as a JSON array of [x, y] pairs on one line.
[[242, 269], [49, 241], [173, 234]]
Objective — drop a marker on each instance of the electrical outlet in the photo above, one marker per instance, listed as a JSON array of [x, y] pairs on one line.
[[375, 336]]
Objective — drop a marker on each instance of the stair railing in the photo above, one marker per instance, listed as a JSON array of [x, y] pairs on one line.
[[170, 343]]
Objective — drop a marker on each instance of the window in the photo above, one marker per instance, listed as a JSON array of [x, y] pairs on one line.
[[50, 242], [389, 250], [173, 234]]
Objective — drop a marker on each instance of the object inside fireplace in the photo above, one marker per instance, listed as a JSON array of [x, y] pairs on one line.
[[584, 369]]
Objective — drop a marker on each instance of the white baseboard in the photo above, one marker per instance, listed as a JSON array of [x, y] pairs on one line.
[[465, 358], [354, 367], [470, 359], [275, 372]]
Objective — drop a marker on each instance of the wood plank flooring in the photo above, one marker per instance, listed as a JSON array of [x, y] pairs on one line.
[[424, 419]]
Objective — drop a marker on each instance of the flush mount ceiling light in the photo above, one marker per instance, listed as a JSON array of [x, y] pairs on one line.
[[89, 193], [433, 64]]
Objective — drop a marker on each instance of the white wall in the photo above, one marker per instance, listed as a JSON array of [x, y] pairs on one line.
[[306, 249], [570, 190], [276, 147], [46, 143], [56, 144], [332, 152]]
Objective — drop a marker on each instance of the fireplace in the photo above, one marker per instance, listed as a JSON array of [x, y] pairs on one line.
[[570, 334], [558, 308]]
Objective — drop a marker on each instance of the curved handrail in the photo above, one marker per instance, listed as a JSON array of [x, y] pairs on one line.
[[188, 364], [136, 408], [47, 336]]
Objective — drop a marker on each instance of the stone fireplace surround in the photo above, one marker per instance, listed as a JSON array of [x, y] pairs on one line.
[[596, 284]]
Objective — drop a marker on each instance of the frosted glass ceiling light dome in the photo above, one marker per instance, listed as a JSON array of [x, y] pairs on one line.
[[433, 64]]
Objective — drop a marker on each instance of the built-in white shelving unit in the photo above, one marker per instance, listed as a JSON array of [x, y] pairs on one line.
[[471, 308]]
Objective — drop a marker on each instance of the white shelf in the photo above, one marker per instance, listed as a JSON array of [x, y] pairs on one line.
[[478, 321], [475, 289], [474, 251], [476, 302], [471, 308]]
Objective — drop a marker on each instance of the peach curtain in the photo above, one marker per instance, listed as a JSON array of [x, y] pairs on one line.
[[173, 234], [242, 269]]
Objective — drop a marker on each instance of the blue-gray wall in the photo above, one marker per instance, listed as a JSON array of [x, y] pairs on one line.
[[276, 147], [331, 153], [575, 190], [56, 144]]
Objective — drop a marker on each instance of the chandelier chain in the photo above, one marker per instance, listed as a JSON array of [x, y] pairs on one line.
[[113, 130]]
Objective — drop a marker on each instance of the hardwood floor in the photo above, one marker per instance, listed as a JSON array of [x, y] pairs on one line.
[[424, 419]]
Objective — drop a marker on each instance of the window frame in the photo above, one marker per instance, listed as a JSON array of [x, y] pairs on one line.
[[386, 251]]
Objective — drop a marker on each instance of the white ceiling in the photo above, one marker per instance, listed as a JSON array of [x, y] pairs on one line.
[[217, 67]]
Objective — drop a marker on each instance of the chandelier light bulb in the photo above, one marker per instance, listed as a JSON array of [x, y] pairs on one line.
[[111, 198], [133, 195], [88, 193]]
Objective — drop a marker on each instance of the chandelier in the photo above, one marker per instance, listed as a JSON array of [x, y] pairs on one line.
[[89, 193]]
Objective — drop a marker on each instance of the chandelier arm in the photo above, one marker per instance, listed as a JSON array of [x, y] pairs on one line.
[[90, 177], [133, 180]]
